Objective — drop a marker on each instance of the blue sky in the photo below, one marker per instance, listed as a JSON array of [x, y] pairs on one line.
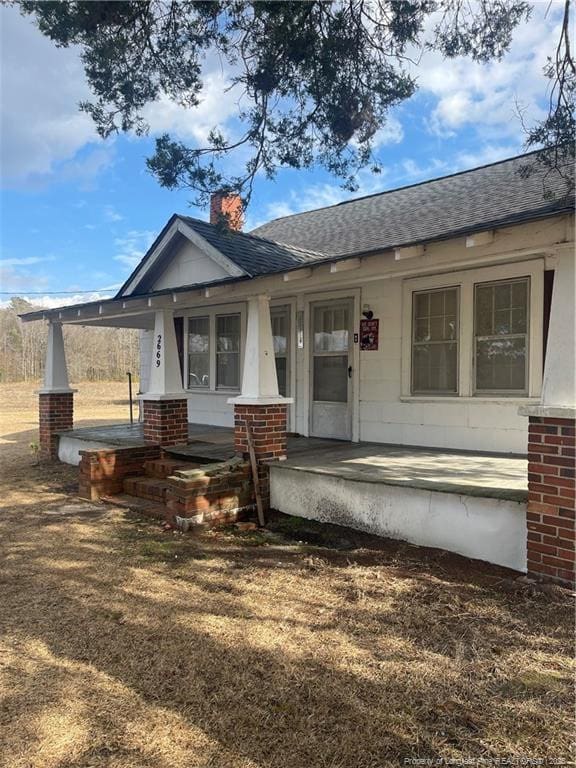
[[78, 213]]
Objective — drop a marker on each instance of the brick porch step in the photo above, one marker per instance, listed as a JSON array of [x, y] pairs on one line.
[[142, 506], [163, 468], [144, 487]]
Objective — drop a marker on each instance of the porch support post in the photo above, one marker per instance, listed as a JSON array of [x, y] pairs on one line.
[[260, 407], [56, 398], [164, 404], [552, 444]]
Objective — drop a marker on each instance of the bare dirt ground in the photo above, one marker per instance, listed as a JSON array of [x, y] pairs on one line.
[[124, 646]]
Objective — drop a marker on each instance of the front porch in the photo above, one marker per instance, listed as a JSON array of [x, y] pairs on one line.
[[488, 475]]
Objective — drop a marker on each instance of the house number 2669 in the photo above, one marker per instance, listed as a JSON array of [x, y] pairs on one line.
[[158, 350]]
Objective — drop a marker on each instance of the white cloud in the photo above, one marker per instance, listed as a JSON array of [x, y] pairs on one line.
[[41, 88], [391, 132], [14, 278], [215, 109], [53, 302], [24, 261], [16, 273], [488, 96], [133, 246], [111, 214]]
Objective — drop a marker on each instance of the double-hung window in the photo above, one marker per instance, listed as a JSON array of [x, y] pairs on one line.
[[479, 336], [214, 349], [435, 342], [501, 336]]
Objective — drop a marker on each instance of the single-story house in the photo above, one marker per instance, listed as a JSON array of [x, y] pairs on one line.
[[415, 346]]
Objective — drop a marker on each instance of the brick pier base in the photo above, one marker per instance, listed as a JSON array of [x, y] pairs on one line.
[[551, 504], [56, 415], [165, 421], [268, 428]]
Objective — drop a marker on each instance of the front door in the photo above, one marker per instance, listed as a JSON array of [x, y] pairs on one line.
[[331, 369]]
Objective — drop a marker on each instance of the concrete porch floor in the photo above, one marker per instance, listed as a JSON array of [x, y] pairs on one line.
[[472, 474]]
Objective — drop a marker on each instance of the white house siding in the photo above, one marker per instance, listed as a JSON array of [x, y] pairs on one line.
[[211, 408], [487, 529], [444, 423], [190, 266]]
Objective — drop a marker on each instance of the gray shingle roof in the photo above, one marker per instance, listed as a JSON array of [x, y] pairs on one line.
[[493, 195], [255, 255]]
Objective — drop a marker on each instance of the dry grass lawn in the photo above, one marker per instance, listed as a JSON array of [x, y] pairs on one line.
[[123, 646]]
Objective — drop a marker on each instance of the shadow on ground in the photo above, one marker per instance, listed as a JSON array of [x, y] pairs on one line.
[[128, 646]]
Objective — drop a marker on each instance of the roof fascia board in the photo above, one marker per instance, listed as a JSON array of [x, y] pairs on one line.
[[179, 226]]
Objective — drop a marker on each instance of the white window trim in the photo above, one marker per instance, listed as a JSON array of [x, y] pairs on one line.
[[291, 302], [211, 313], [465, 280]]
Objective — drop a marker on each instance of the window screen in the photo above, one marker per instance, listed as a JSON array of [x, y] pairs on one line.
[[199, 352], [228, 351], [435, 341], [501, 336]]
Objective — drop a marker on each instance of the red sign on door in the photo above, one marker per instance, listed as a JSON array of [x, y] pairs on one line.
[[369, 335]]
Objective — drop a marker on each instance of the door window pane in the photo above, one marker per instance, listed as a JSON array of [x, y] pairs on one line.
[[501, 340], [330, 329], [198, 352], [331, 378], [435, 341], [228, 351]]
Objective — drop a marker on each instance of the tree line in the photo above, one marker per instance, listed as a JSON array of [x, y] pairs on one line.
[[93, 354]]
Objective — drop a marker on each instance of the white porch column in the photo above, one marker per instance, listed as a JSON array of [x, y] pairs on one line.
[[55, 370], [164, 404], [165, 380], [260, 409], [259, 379], [56, 398], [559, 386]]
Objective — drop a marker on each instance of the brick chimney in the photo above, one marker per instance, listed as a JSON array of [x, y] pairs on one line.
[[226, 208]]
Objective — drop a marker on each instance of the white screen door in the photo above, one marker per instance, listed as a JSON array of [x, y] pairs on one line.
[[331, 370]]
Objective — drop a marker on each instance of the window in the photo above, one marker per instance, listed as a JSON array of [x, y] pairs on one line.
[[227, 351], [199, 352], [280, 317], [435, 342], [501, 336], [476, 333], [214, 349]]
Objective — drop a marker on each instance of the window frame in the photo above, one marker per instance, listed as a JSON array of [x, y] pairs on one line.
[[502, 392], [197, 387], [211, 313], [217, 316], [466, 279], [413, 342], [286, 310]]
